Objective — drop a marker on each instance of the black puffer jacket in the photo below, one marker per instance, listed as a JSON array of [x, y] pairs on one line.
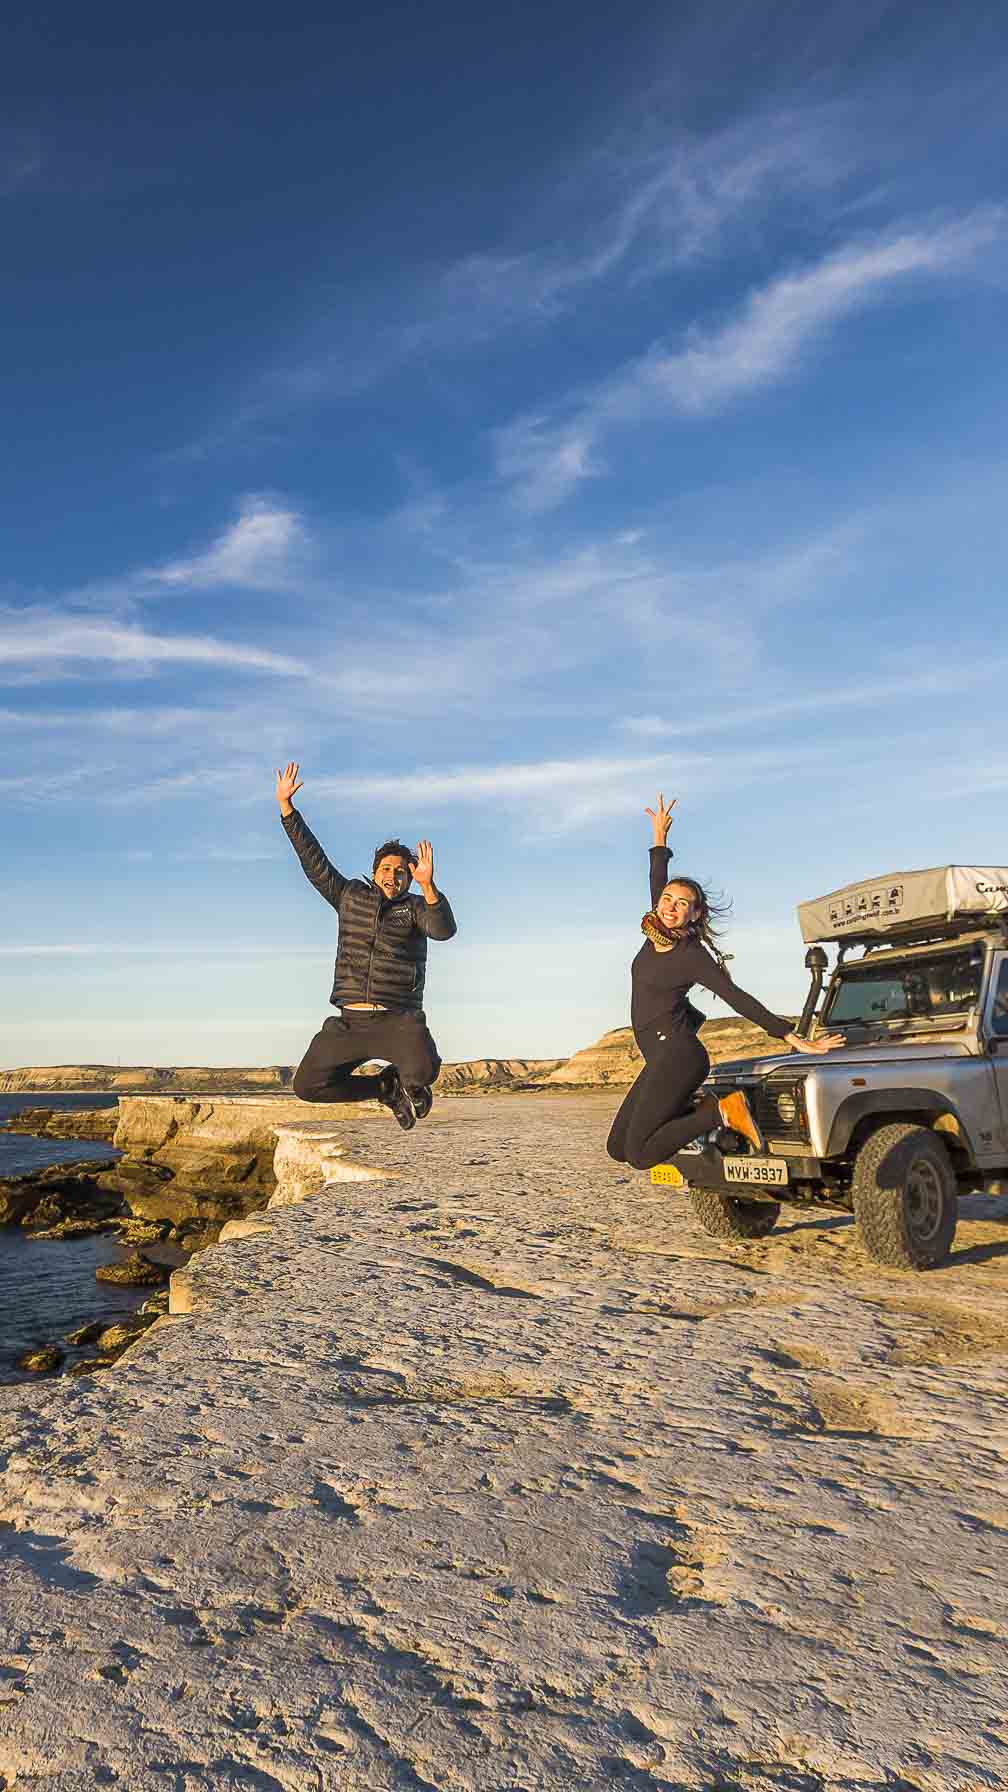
[[382, 951]]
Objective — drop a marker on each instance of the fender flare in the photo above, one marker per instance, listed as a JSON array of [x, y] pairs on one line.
[[928, 1103]]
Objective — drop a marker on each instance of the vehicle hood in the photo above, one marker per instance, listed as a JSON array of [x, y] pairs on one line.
[[899, 1052]]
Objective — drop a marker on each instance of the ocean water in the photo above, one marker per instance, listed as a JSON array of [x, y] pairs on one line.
[[48, 1287]]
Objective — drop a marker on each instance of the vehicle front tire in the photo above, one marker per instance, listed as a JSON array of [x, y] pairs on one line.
[[725, 1217], [906, 1202]]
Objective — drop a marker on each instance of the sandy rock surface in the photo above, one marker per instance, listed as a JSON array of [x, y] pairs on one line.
[[211, 1158], [502, 1476]]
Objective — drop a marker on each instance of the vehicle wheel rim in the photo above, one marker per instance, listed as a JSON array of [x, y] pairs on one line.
[[924, 1201]]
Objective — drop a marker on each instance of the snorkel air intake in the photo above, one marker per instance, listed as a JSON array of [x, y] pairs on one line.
[[815, 961]]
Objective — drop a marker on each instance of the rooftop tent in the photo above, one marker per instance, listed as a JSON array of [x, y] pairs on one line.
[[904, 899]]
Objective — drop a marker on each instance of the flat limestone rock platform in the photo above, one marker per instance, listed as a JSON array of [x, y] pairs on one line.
[[501, 1475], [220, 1155]]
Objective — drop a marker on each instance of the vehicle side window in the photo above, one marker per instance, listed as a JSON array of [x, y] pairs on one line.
[[999, 1012]]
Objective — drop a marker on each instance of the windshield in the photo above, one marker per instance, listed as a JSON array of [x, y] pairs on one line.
[[936, 989]]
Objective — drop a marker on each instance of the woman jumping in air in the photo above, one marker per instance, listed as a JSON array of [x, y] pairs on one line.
[[659, 1115]]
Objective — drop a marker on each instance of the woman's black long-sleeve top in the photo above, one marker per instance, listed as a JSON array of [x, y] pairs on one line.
[[661, 981]]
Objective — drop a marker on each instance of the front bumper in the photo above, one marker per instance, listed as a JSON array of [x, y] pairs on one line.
[[705, 1169]]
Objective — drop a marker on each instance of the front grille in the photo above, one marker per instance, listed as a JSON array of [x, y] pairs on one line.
[[778, 1106]]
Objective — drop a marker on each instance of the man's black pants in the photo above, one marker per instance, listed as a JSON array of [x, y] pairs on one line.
[[348, 1040]]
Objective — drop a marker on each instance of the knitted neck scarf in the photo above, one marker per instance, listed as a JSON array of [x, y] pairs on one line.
[[659, 934]]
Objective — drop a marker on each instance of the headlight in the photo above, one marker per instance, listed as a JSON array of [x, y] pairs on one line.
[[787, 1107], [779, 1107]]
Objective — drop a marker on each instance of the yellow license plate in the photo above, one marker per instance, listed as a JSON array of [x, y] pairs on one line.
[[668, 1173]]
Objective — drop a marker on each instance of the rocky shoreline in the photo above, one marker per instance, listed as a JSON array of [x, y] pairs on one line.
[[65, 1202], [185, 1170]]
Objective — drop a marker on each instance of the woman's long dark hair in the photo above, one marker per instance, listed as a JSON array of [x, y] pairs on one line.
[[702, 926]]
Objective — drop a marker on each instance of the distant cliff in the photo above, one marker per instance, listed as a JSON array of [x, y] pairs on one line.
[[615, 1061], [113, 1079], [495, 1073], [612, 1060], [144, 1079]]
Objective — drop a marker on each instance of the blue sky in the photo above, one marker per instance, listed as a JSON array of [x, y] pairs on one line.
[[506, 418]]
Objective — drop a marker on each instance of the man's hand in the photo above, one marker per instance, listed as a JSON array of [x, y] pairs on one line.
[[287, 785], [661, 819], [422, 868]]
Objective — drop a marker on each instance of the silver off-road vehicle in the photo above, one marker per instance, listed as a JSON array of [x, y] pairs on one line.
[[912, 1110]]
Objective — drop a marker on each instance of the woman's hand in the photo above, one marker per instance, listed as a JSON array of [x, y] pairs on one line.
[[661, 819], [826, 1042]]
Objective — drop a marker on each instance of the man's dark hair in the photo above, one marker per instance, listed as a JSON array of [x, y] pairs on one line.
[[390, 847]]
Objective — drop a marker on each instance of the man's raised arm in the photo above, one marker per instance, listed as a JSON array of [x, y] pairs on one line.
[[434, 918], [321, 874]]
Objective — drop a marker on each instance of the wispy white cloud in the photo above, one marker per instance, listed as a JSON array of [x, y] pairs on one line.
[[258, 552], [165, 719], [937, 683], [267, 548], [659, 202], [546, 456], [554, 796], [650, 198], [779, 322], [474, 784], [64, 782], [49, 640], [545, 461]]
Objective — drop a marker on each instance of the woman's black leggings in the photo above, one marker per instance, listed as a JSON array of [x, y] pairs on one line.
[[658, 1116]]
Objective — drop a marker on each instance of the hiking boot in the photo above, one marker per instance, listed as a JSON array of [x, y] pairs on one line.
[[737, 1114], [393, 1094], [423, 1100]]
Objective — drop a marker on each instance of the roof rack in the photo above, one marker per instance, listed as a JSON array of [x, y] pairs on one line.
[[961, 931], [936, 903]]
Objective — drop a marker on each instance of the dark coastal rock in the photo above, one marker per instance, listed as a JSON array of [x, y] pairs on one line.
[[133, 1272], [16, 1199], [180, 1205], [45, 1213], [87, 1334], [134, 1179], [46, 1197], [137, 1231], [89, 1365], [196, 1235], [65, 1123], [67, 1229], [43, 1361], [116, 1338]]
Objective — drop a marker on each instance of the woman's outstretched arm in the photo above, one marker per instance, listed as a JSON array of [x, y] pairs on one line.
[[661, 852], [704, 969]]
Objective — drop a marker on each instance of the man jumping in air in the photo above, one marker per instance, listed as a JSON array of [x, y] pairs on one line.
[[381, 962]]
